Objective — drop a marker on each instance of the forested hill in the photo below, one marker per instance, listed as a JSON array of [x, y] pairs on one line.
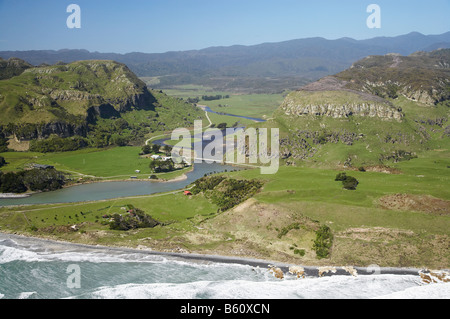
[[100, 100]]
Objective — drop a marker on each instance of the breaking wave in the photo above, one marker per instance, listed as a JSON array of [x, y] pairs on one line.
[[34, 269]]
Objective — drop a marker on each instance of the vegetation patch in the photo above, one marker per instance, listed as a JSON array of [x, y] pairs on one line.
[[31, 180], [224, 192], [134, 218], [348, 182], [323, 242]]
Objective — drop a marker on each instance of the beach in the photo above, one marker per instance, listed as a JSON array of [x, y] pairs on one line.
[[39, 269]]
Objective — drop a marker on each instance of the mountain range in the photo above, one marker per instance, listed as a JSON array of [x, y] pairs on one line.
[[264, 67]]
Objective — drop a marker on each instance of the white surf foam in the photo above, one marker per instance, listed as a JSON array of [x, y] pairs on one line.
[[342, 287]]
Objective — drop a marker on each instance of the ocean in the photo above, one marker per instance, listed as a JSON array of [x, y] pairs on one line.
[[38, 269]]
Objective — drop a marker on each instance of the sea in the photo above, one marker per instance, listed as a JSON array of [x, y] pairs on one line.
[[41, 269]]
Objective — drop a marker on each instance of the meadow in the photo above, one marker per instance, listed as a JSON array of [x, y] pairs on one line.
[[250, 105], [112, 163]]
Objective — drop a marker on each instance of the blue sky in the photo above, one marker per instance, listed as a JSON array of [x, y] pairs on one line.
[[172, 25]]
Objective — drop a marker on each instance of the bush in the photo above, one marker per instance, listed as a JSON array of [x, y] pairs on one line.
[[226, 193], [146, 149], [2, 161], [3, 144], [323, 242], [341, 177], [135, 219], [348, 182], [300, 252]]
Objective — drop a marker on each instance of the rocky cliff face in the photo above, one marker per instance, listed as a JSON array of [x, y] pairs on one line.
[[421, 77], [12, 67], [292, 107]]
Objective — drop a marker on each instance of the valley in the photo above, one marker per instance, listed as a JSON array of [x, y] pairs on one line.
[[391, 137]]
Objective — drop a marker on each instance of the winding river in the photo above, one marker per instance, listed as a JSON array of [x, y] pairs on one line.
[[111, 190]]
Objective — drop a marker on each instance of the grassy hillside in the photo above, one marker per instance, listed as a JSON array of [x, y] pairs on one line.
[[353, 119], [371, 225]]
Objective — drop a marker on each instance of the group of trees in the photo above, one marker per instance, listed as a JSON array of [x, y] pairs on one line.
[[3, 144], [348, 182], [115, 132], [134, 219], [58, 144], [195, 100], [226, 192], [33, 180], [155, 149], [161, 166], [214, 97]]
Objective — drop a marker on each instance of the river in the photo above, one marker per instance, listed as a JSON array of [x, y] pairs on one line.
[[110, 190]]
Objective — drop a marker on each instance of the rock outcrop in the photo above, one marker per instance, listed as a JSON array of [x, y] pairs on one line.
[[330, 109]]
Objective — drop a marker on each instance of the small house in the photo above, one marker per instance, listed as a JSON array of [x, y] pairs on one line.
[[187, 193], [155, 157]]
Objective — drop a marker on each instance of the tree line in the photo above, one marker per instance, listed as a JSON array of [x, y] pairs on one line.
[[31, 180]]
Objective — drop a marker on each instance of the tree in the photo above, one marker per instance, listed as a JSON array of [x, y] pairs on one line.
[[340, 177], [43, 179], [2, 161], [350, 183], [146, 149], [3, 144], [155, 148], [158, 166], [167, 149], [12, 183]]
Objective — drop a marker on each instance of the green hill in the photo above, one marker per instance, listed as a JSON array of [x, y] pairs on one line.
[[83, 98], [382, 110]]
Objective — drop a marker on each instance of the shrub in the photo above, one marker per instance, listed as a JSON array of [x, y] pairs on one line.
[[341, 177], [300, 252], [323, 242], [350, 183], [138, 219]]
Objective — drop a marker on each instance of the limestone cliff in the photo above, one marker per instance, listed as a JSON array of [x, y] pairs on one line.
[[327, 97]]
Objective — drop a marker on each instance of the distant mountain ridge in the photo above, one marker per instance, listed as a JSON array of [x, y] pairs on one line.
[[295, 62]]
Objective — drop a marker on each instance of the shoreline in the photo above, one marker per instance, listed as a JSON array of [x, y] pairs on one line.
[[308, 270], [180, 178]]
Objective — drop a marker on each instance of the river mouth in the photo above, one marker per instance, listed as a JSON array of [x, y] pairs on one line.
[[117, 189]]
